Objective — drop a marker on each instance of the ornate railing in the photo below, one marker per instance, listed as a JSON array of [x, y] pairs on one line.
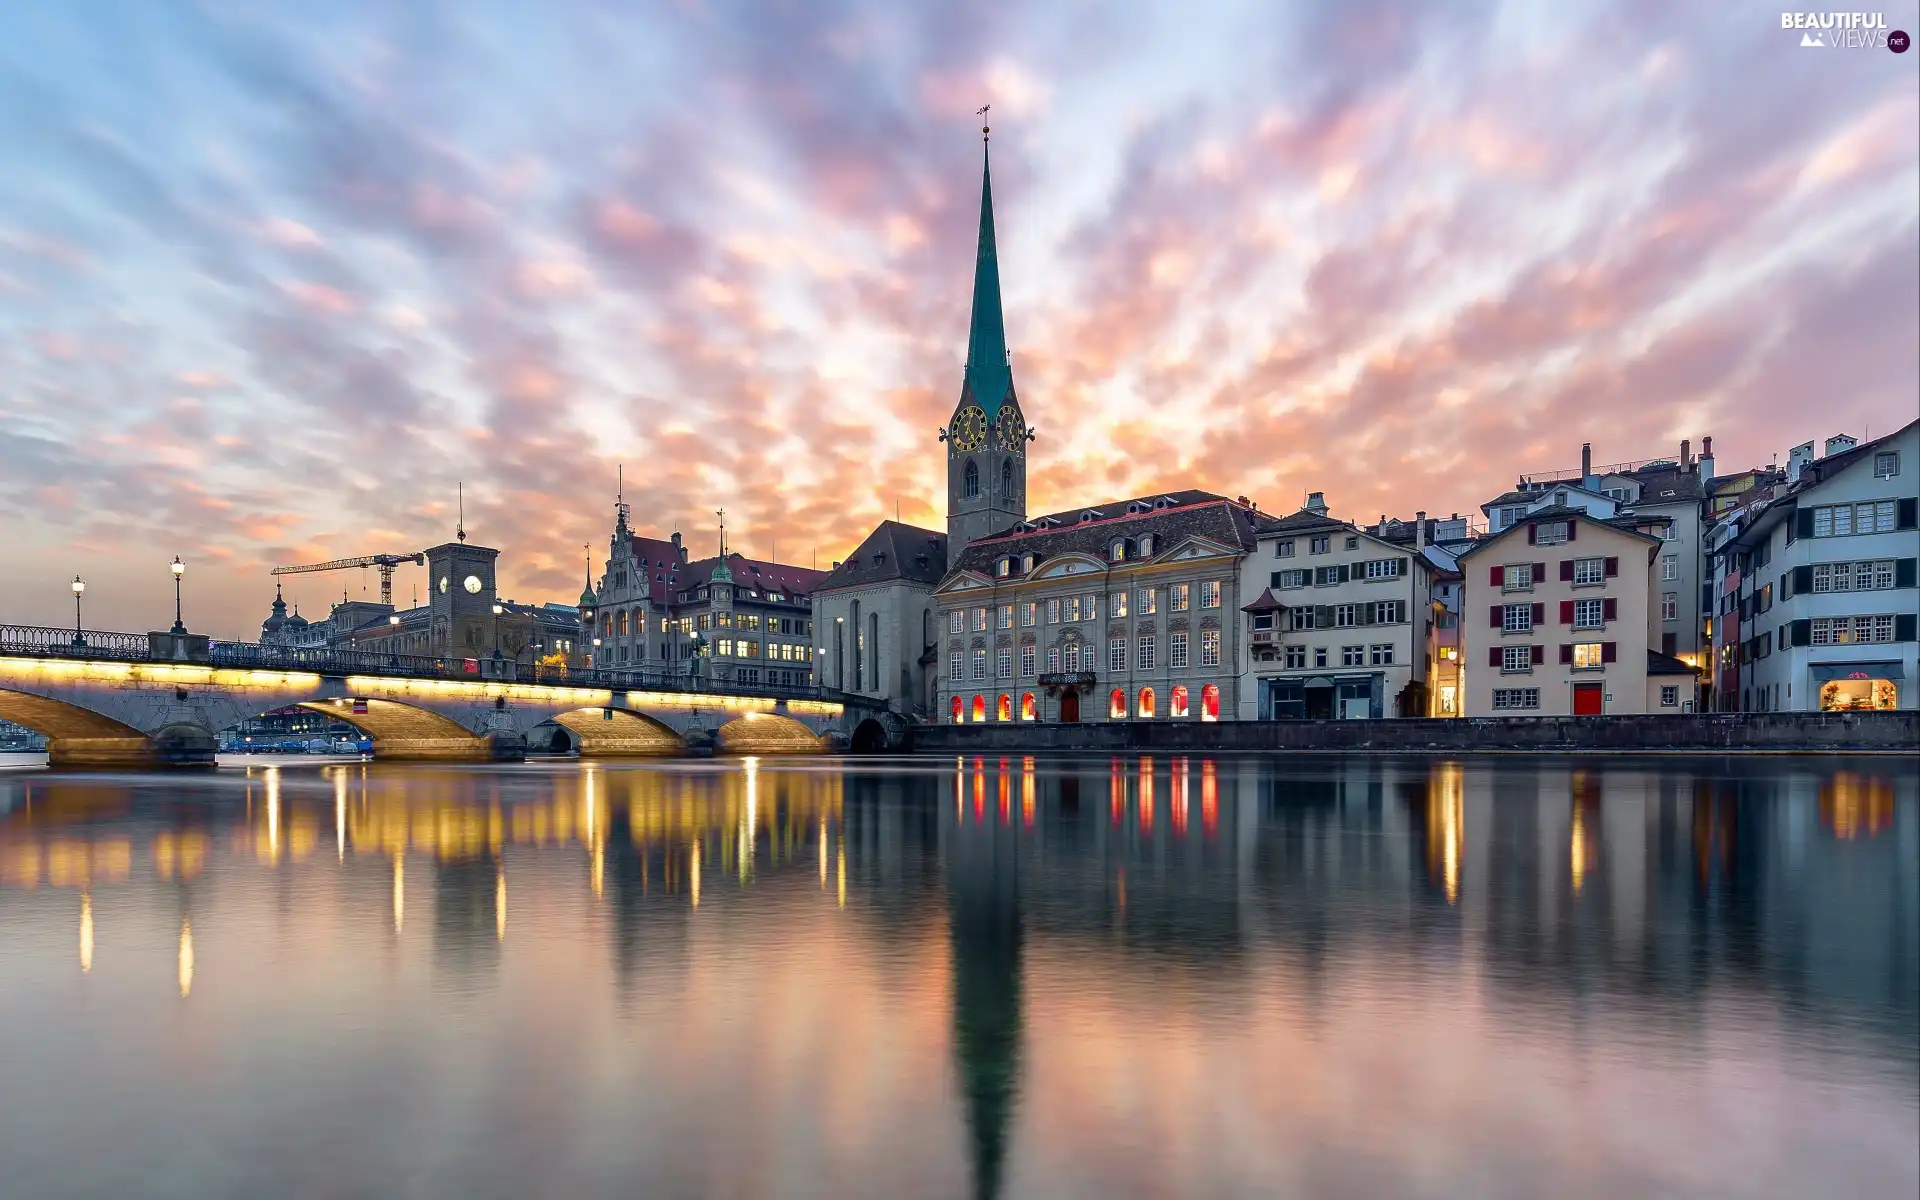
[[104, 646]]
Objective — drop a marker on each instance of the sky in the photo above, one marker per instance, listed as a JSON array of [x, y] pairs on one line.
[[276, 278]]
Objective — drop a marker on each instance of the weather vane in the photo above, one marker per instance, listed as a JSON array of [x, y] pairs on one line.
[[984, 130]]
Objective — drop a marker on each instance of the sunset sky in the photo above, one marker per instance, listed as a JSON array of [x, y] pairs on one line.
[[274, 278]]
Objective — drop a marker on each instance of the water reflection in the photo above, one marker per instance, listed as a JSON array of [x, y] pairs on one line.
[[952, 978]]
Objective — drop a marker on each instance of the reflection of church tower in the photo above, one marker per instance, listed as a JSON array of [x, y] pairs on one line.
[[987, 437], [466, 917], [984, 906]]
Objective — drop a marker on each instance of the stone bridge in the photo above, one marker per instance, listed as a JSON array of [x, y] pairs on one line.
[[103, 713]]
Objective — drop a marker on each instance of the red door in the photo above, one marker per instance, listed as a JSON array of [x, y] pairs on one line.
[[1589, 699], [1069, 706]]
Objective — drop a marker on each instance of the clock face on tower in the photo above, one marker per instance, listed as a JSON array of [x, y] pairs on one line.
[[443, 585], [1009, 431], [472, 585], [969, 430]]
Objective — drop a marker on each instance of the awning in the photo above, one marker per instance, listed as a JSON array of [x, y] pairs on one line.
[[1319, 681], [1828, 672]]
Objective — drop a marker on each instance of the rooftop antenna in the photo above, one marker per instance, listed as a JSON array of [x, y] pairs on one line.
[[722, 514], [460, 527]]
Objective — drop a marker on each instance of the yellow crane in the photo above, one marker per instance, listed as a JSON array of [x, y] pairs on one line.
[[386, 563]]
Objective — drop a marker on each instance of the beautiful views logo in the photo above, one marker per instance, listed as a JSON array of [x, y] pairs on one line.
[[1845, 31]]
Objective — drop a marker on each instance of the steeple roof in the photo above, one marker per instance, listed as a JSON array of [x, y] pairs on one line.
[[989, 379]]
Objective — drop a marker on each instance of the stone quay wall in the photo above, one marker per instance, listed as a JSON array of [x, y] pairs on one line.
[[1806, 733]]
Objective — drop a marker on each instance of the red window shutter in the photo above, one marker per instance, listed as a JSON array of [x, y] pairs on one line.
[[1613, 566], [1610, 611], [1496, 576], [1607, 653], [1566, 612], [1540, 613], [1573, 527], [1566, 570], [1539, 572], [1539, 655], [1566, 652], [1532, 532], [1493, 656], [1493, 617]]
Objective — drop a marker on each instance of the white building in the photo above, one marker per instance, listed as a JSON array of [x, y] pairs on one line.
[[873, 618], [1827, 603]]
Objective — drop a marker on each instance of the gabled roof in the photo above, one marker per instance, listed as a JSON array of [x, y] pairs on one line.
[[1556, 512], [1306, 520], [1668, 485], [660, 559], [893, 551]]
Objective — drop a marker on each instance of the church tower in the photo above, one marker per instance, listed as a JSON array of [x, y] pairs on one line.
[[987, 437]]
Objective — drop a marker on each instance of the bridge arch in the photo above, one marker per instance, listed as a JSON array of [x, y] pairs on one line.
[[869, 737], [401, 730], [767, 733], [76, 735], [619, 731]]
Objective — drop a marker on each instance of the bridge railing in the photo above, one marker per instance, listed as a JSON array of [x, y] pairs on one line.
[[105, 646]]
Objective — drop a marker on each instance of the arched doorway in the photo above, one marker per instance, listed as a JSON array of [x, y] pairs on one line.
[[1069, 706]]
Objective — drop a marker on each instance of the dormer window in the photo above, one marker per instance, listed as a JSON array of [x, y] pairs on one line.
[[1003, 568], [1118, 553], [1087, 514], [1146, 544]]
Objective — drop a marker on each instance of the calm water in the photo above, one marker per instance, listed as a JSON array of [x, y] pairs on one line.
[[1052, 978]]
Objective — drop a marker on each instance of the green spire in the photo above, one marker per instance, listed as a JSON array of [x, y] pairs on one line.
[[989, 380]]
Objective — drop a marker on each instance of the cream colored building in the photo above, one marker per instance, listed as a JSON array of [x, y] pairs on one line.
[[1555, 621]]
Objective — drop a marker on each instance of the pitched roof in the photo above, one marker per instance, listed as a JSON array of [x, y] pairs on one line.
[[1668, 485], [660, 559], [1666, 664], [1304, 521], [1194, 514], [893, 551], [754, 573], [1557, 512], [1265, 602]]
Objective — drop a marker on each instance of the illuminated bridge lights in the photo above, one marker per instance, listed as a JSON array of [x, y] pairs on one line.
[[460, 689], [158, 674]]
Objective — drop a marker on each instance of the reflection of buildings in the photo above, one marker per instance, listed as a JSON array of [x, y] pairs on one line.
[[983, 902]]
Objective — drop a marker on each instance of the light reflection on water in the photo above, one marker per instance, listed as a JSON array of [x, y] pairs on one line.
[[1013, 976]]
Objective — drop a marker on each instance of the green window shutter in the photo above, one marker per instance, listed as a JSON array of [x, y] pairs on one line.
[[1802, 632], [1802, 580], [1903, 572], [1903, 624], [1346, 573], [1273, 580], [1803, 523], [1908, 512]]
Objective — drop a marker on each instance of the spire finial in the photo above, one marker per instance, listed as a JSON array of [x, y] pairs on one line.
[[722, 514], [984, 129], [460, 525]]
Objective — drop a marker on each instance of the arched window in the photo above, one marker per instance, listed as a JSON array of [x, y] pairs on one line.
[[1006, 479], [1146, 544], [859, 650], [623, 624], [1029, 711], [970, 482], [1004, 710], [873, 650], [1004, 568], [1210, 702], [1117, 704], [606, 622], [1026, 564], [979, 708], [1177, 701], [1145, 707], [1119, 551], [959, 710]]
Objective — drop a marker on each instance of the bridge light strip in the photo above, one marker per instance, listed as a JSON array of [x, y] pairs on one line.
[[460, 689], [168, 674], [697, 701]]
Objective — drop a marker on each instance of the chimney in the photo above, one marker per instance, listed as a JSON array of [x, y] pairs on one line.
[[1839, 443], [1316, 502], [1797, 460], [836, 564], [1241, 501], [1706, 458], [1686, 454], [1420, 530], [1586, 464]]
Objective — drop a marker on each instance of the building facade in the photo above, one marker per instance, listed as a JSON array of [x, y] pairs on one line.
[[1822, 600], [874, 619], [1341, 623], [1556, 621]]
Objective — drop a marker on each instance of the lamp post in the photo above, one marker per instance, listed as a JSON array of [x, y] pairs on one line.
[[179, 568], [79, 589]]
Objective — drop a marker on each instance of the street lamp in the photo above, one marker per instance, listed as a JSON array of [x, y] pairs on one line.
[[179, 568], [79, 589]]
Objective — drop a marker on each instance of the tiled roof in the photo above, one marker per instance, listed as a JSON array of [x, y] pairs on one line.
[[1668, 485], [1265, 602], [1194, 513], [1304, 521], [892, 551], [756, 574], [1556, 512]]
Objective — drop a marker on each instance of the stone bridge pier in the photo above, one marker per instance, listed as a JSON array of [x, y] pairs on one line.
[[117, 714]]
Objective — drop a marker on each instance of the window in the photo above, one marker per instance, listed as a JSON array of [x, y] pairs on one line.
[[1090, 607], [1327, 577], [1317, 545], [1053, 661], [1511, 513], [1388, 612], [1006, 478], [1146, 652], [1343, 616], [1283, 548], [1383, 568], [1117, 655], [1145, 707], [1117, 705], [1029, 614], [1380, 654], [979, 620], [1177, 701], [1003, 664], [1840, 631], [1210, 646], [1302, 618], [1210, 594], [1353, 543], [1550, 533], [1296, 657], [1006, 616], [980, 663], [1516, 618], [1026, 564], [1073, 657], [1516, 658], [1210, 702], [1589, 614], [1587, 656], [1290, 579], [1319, 656], [1003, 568], [1177, 598], [1149, 601], [1669, 695], [1353, 656], [1117, 604], [1118, 551], [1028, 709], [1588, 571], [970, 485], [1670, 606], [979, 708], [1146, 545], [1177, 649], [1886, 464], [1073, 609], [1053, 612], [1027, 655], [1669, 566], [1516, 697]]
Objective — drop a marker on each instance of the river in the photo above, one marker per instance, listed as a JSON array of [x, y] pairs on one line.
[[1094, 977]]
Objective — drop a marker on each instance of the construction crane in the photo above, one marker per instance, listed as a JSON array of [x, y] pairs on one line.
[[386, 563]]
